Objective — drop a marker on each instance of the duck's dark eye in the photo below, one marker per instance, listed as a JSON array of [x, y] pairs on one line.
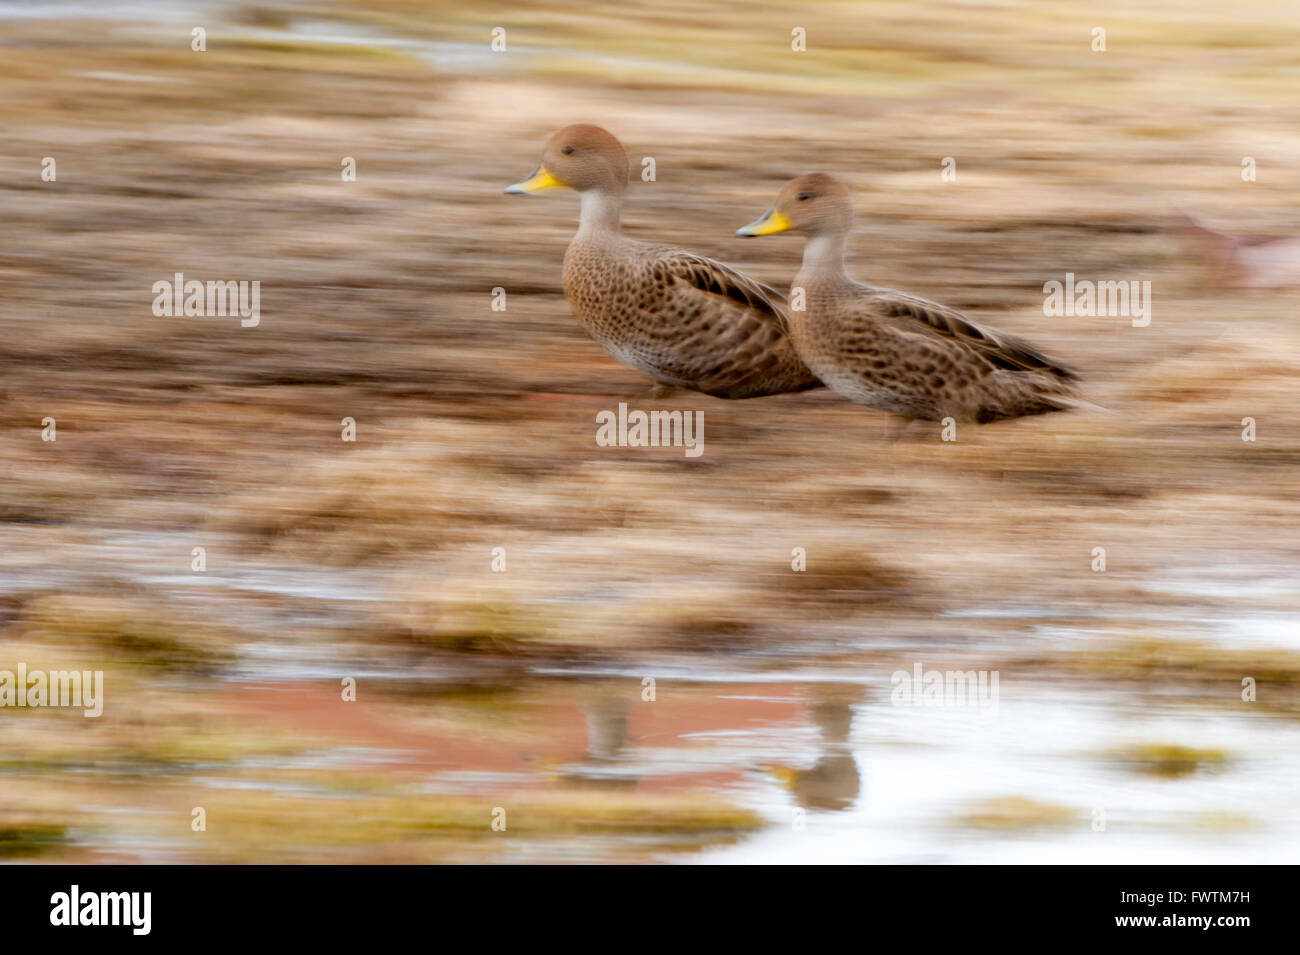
[[567, 150], [804, 195]]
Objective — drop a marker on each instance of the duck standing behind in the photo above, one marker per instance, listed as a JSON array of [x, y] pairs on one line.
[[894, 351]]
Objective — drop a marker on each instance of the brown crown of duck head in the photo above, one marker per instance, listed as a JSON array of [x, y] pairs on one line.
[[813, 204], [581, 157]]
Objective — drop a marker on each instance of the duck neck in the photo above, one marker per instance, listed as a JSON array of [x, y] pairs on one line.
[[823, 257], [600, 212]]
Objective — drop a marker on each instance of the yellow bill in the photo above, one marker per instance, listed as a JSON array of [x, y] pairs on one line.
[[540, 180], [769, 223]]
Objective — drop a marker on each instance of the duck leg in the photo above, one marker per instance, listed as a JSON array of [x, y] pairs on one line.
[[659, 391]]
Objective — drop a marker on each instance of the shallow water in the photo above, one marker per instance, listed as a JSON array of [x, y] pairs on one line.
[[840, 774], [813, 742]]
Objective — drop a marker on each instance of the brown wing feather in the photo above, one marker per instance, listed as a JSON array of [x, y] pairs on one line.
[[998, 348], [733, 338], [715, 278]]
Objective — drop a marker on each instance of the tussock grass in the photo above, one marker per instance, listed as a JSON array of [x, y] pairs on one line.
[[1011, 813], [1168, 760]]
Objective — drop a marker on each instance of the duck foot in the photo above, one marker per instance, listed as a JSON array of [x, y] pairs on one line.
[[659, 391]]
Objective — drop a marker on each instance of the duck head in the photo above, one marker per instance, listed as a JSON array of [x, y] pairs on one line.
[[579, 157], [811, 205]]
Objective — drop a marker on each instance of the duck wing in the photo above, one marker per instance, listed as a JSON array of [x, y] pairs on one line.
[[907, 313], [727, 333]]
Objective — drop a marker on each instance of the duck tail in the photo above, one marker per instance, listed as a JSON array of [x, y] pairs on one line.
[[1209, 239], [1073, 402]]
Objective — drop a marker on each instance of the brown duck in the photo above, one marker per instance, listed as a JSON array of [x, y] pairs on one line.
[[683, 319], [894, 351]]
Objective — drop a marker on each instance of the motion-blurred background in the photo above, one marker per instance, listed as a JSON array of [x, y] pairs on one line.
[[1120, 731]]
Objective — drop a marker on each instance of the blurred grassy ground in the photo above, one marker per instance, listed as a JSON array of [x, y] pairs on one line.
[[476, 427]]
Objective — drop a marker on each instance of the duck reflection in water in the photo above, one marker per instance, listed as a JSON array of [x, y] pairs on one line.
[[833, 782], [607, 765]]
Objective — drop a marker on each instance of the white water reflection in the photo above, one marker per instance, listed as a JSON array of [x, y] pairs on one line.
[[924, 769]]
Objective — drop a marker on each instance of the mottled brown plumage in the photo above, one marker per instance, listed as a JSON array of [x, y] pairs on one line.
[[683, 319], [894, 351]]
